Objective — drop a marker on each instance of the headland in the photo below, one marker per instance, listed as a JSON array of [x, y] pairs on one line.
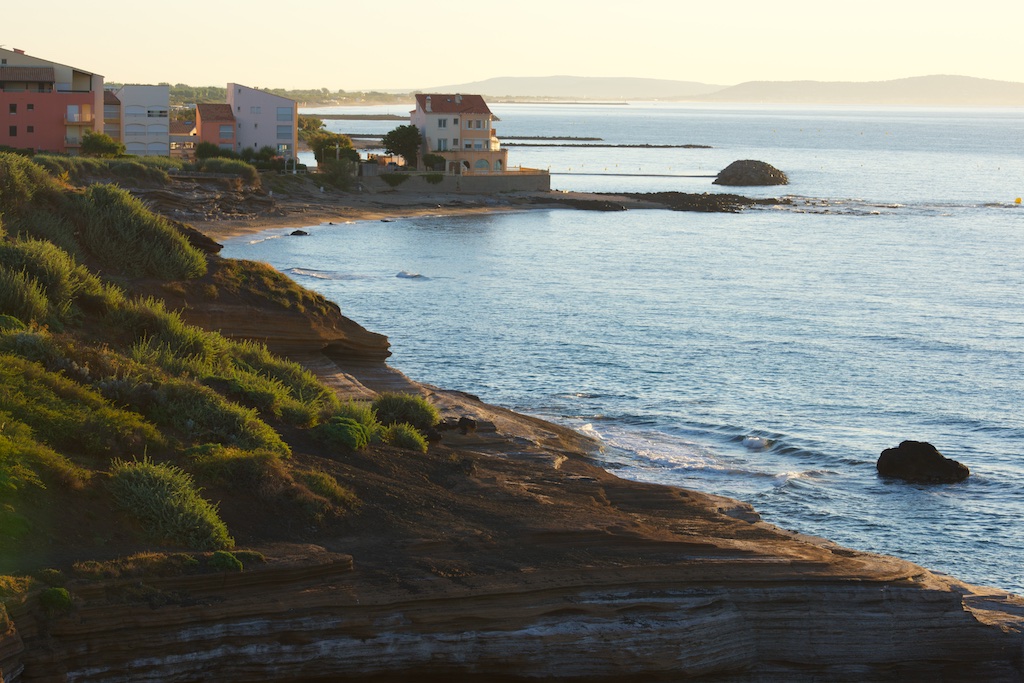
[[503, 553]]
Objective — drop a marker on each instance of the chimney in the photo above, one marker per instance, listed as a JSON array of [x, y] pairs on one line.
[[458, 99], [20, 52], [428, 104]]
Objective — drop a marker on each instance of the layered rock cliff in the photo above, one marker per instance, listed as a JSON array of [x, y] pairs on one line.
[[506, 554]]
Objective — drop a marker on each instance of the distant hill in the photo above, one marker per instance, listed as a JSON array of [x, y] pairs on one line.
[[581, 87], [921, 90]]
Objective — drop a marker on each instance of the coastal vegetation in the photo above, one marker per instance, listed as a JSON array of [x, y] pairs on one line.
[[115, 407]]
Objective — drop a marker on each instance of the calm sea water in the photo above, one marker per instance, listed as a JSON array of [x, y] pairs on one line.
[[884, 304]]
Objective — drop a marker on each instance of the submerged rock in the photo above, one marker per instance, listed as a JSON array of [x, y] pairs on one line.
[[749, 172], [919, 461]]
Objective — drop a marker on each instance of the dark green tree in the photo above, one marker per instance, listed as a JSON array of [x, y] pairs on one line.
[[329, 146], [100, 145], [405, 141]]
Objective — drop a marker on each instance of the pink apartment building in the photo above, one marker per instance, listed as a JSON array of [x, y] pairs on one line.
[[47, 106]]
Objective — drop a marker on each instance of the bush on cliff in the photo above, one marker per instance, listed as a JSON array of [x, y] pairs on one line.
[[165, 500], [405, 436], [117, 225], [344, 432], [413, 409]]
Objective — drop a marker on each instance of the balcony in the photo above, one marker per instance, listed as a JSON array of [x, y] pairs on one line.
[[72, 142], [79, 119]]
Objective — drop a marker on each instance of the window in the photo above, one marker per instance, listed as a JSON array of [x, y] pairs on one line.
[[30, 129], [442, 145], [456, 120], [13, 108], [442, 123], [13, 131], [30, 107], [254, 110], [284, 113], [469, 145], [227, 130], [455, 143], [157, 113], [284, 132]]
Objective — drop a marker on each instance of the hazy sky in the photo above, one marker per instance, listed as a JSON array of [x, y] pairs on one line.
[[389, 44]]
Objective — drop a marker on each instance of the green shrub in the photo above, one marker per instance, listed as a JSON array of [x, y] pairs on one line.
[[52, 227], [24, 462], [139, 564], [344, 432], [8, 323], [250, 557], [117, 224], [13, 586], [60, 278], [223, 561], [405, 436], [360, 411], [51, 577], [434, 178], [393, 179], [327, 486], [259, 471], [237, 167], [55, 601], [68, 416], [166, 501], [5, 620], [413, 409], [23, 297], [20, 181], [205, 416]]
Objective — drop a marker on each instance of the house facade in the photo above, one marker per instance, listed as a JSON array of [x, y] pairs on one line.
[[461, 129], [264, 120], [47, 106], [183, 140], [145, 119], [216, 124]]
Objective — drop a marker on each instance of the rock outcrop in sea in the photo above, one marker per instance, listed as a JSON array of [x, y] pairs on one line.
[[748, 172], [920, 462]]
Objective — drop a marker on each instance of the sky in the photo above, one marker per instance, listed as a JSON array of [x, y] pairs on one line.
[[402, 44]]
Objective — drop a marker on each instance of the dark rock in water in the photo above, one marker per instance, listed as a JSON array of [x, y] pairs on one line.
[[298, 233], [749, 173], [919, 461]]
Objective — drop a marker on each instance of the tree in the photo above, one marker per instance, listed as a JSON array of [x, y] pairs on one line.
[[309, 125], [100, 145], [329, 146], [405, 141]]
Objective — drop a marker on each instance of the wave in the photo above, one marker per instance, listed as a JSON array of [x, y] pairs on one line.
[[321, 274]]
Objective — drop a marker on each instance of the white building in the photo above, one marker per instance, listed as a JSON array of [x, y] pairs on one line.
[[145, 119], [461, 129], [264, 120]]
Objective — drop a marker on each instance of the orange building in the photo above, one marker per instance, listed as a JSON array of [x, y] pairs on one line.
[[47, 106], [215, 123]]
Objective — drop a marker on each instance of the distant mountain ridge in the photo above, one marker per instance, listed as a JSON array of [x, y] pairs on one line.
[[920, 90], [935, 90]]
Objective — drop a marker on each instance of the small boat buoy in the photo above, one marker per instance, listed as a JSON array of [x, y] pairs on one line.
[[1017, 200]]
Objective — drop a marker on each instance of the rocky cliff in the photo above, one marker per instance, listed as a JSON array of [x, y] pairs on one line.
[[505, 553]]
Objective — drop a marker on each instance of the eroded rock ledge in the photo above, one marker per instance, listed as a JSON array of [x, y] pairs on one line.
[[506, 554]]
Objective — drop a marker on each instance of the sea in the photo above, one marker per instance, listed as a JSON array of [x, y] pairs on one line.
[[769, 355]]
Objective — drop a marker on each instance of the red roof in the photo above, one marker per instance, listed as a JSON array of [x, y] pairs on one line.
[[215, 112], [182, 127], [452, 104], [27, 74], [110, 98]]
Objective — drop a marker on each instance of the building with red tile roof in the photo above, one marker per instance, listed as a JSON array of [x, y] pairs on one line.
[[460, 129], [47, 106]]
